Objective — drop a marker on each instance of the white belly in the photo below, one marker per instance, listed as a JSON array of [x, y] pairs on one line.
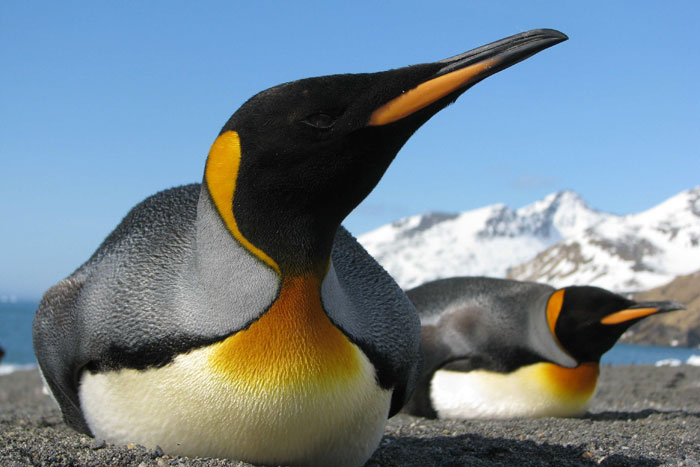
[[523, 393], [188, 409]]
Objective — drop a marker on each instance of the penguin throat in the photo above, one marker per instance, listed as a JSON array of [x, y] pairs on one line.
[[293, 343], [289, 242], [579, 382]]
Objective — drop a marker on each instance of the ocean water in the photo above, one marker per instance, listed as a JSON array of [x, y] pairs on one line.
[[16, 339], [626, 354], [16, 333]]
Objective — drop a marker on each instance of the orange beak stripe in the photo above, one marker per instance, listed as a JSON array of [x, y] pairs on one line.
[[628, 315], [426, 93]]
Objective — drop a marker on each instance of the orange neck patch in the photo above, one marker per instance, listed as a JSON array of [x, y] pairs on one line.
[[294, 343], [553, 309], [221, 174], [579, 382]]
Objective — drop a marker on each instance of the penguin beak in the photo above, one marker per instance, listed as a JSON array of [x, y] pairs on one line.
[[460, 72], [640, 310]]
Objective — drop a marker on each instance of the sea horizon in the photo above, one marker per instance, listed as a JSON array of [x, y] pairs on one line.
[[16, 339]]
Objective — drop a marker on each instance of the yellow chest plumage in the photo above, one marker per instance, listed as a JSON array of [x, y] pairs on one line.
[[293, 344]]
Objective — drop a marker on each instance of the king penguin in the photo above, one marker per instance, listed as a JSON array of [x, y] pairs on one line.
[[236, 318], [497, 348]]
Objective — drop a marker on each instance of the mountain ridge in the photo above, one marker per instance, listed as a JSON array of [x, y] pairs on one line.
[[559, 240]]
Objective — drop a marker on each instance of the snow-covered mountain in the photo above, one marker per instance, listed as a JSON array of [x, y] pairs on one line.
[[559, 240], [485, 241], [629, 253]]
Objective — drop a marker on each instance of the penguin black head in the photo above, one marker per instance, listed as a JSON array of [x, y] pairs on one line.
[[312, 149], [587, 321]]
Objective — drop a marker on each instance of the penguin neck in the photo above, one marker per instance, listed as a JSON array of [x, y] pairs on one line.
[[216, 245], [239, 286], [276, 225], [307, 344]]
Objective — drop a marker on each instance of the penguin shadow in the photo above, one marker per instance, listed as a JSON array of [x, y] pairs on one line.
[[609, 415], [477, 450]]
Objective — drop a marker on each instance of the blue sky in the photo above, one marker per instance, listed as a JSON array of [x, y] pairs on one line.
[[105, 103]]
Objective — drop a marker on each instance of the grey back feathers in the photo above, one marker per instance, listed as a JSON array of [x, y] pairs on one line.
[[478, 313], [464, 307]]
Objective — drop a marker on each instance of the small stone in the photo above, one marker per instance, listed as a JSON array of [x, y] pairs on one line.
[[98, 444]]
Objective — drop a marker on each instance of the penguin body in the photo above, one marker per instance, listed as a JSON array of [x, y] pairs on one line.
[[183, 400], [237, 318], [497, 348]]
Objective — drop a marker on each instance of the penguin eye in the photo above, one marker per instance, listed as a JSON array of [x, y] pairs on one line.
[[321, 120]]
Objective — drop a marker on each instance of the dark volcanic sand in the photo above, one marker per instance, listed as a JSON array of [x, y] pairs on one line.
[[640, 416]]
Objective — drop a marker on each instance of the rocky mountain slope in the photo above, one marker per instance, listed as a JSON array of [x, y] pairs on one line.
[[486, 241], [680, 328], [628, 253]]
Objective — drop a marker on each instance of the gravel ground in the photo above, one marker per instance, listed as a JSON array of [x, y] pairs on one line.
[[640, 415]]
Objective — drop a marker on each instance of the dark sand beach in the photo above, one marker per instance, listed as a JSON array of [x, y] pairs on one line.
[[640, 415]]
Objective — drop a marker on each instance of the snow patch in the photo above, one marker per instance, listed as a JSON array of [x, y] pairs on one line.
[[7, 369], [669, 362]]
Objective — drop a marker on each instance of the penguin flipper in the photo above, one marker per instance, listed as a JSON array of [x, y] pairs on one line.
[[387, 328], [56, 348], [435, 353], [90, 303], [439, 353]]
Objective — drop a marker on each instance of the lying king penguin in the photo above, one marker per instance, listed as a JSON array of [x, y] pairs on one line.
[[498, 348], [236, 318]]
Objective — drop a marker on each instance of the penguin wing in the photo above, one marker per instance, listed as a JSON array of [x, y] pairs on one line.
[[373, 311], [56, 349], [113, 311]]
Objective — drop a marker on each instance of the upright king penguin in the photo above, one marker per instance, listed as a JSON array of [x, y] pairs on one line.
[[497, 348], [237, 318]]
